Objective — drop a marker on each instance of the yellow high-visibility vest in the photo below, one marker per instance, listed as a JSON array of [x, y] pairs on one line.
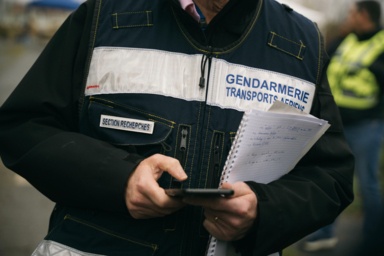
[[352, 83]]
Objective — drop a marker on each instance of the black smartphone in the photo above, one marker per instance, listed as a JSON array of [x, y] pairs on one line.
[[199, 192]]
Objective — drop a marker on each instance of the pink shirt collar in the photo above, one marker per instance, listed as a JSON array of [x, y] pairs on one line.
[[189, 7]]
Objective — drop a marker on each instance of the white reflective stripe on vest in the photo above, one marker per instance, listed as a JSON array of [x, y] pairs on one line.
[[51, 248], [146, 71]]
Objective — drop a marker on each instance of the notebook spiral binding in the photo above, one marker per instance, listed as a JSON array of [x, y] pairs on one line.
[[228, 168], [234, 149]]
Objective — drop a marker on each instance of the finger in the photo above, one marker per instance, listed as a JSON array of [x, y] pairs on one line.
[[226, 185], [240, 188], [160, 201], [170, 165], [165, 203], [156, 194], [221, 229], [144, 197], [217, 228], [146, 206], [219, 217], [146, 176]]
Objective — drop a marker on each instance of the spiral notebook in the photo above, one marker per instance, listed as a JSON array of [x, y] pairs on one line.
[[267, 145]]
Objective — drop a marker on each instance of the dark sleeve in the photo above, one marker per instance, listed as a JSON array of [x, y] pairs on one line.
[[312, 195], [39, 136], [377, 69]]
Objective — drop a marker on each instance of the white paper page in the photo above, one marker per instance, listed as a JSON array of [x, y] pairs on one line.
[[270, 145], [273, 146]]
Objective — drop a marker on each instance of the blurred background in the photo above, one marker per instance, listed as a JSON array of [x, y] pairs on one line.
[[25, 28]]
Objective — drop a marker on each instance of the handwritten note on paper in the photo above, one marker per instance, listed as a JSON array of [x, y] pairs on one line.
[[270, 145]]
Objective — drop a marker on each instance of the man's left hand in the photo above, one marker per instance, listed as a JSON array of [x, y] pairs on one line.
[[228, 218]]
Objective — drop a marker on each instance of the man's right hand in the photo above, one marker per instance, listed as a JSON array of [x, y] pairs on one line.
[[144, 197]]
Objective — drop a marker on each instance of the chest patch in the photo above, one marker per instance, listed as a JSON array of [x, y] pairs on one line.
[[126, 124]]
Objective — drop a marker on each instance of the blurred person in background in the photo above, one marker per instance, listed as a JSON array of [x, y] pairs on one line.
[[356, 77]]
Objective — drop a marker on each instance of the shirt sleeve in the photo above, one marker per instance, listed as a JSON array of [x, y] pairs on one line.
[[39, 124]]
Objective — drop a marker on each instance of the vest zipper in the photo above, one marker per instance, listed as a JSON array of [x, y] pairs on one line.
[[181, 152], [183, 144], [214, 171], [204, 85]]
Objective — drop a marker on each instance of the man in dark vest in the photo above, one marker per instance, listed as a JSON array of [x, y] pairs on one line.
[[132, 97]]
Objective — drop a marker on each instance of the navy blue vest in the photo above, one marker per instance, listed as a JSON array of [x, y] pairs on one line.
[[147, 70]]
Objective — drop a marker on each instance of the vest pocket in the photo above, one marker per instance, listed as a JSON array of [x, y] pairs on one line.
[[132, 19], [92, 238], [215, 163], [121, 118]]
